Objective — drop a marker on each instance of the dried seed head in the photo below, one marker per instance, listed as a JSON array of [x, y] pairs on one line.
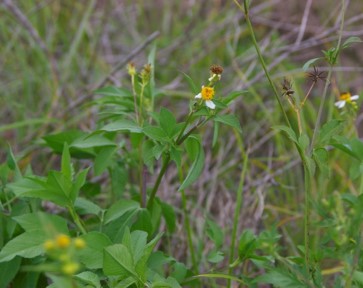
[[216, 69]]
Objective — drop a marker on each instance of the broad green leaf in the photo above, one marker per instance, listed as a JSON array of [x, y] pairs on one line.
[[56, 141], [126, 283], [310, 62], [117, 261], [40, 221], [215, 233], [60, 185], [198, 164], [122, 125], [167, 121], [141, 263], [358, 277], [120, 208], [92, 141], [179, 271], [92, 255], [36, 187], [320, 156], [215, 256], [8, 270], [143, 221], [79, 181], [26, 245], [290, 133], [155, 133], [66, 167], [328, 130], [169, 216], [84, 206], [281, 279], [103, 159], [230, 120], [60, 281], [89, 278], [303, 141]]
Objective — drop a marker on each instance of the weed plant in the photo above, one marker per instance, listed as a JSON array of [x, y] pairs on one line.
[[124, 206]]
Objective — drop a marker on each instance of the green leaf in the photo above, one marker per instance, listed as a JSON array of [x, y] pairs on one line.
[[169, 216], [347, 43], [92, 254], [310, 62], [26, 245], [66, 168], [104, 159], [155, 133], [79, 181], [328, 130], [247, 245], [191, 83], [8, 271], [13, 165], [281, 279], [230, 120], [56, 141], [176, 155], [304, 141], [215, 256], [167, 121], [121, 126], [233, 95], [84, 206], [320, 157], [358, 277], [117, 261], [119, 209], [195, 152], [143, 221], [215, 233], [89, 278], [92, 141], [40, 221], [60, 281], [290, 133]]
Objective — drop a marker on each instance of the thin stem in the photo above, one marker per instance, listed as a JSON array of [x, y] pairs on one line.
[[180, 136], [308, 94], [239, 203], [158, 180], [188, 227], [77, 220]]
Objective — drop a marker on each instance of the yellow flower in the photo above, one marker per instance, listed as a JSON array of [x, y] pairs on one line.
[[79, 243], [63, 241], [207, 95], [344, 98]]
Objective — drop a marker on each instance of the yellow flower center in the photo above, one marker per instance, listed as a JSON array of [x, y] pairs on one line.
[[207, 93], [63, 241], [345, 97]]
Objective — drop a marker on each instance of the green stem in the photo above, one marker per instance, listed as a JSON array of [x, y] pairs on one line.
[[188, 227], [158, 180], [76, 219], [239, 203]]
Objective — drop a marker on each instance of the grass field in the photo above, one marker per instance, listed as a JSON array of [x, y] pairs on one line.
[[139, 184]]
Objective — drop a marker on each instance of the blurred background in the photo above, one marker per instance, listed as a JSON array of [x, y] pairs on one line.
[[54, 53]]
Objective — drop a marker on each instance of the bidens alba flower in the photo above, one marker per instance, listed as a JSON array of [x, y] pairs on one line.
[[344, 98], [207, 95]]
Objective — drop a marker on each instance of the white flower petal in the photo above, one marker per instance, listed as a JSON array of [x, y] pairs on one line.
[[199, 96], [210, 104], [340, 104], [210, 78], [355, 97]]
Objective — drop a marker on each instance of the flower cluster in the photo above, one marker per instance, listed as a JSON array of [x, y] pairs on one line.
[[62, 249], [207, 92]]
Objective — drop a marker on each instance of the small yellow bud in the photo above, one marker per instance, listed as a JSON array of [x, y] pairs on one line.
[[79, 243], [70, 268], [49, 245], [63, 241], [131, 69]]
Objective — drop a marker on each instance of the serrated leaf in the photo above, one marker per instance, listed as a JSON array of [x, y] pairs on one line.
[[117, 261], [328, 130], [321, 159], [84, 206], [122, 125], [198, 164], [119, 208], [167, 121], [290, 133], [92, 254], [155, 133], [104, 159], [246, 245], [230, 120], [89, 278]]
